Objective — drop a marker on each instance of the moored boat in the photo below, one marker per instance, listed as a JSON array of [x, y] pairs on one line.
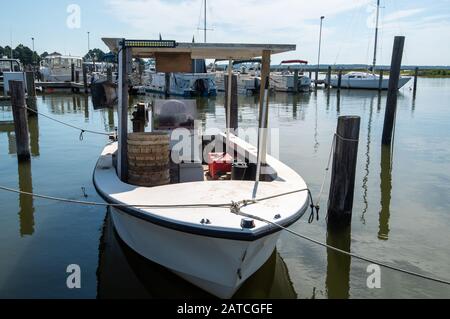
[[214, 225]]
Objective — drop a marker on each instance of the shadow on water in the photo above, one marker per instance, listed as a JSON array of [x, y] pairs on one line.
[[386, 189], [26, 208], [338, 265], [122, 273]]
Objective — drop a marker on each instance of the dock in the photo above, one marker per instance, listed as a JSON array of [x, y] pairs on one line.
[[60, 85]]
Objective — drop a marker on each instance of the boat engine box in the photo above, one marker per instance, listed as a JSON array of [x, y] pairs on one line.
[[190, 172], [219, 163]]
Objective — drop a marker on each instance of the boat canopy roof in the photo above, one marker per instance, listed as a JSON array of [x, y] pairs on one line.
[[294, 61], [234, 51]]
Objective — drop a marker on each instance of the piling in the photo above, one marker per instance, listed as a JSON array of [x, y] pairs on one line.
[[167, 85], [31, 87], [77, 76], [109, 76], [328, 81], [20, 120], [416, 74], [339, 80], [85, 82], [317, 79], [295, 81], [234, 102], [72, 69], [380, 82], [139, 118], [340, 201], [391, 104]]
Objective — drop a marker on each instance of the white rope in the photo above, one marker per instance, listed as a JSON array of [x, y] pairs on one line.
[[69, 125], [235, 208]]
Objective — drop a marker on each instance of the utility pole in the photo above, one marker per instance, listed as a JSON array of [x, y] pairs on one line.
[[320, 41], [32, 40], [205, 21], [89, 42]]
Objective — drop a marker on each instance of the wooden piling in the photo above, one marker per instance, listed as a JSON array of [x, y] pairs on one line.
[[391, 104], [380, 82], [317, 79], [85, 81], [340, 202], [109, 76], [234, 103], [167, 85], [295, 81], [72, 72], [416, 74], [77, 76], [20, 120], [31, 87], [339, 79], [328, 81]]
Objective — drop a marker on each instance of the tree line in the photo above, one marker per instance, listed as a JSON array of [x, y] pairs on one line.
[[28, 57]]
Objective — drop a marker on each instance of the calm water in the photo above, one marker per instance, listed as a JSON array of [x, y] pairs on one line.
[[401, 214]]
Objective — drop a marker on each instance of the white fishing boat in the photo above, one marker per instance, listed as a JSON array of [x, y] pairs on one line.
[[58, 68], [213, 233], [367, 80], [284, 81]]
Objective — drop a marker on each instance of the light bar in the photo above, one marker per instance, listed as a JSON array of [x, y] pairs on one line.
[[149, 44]]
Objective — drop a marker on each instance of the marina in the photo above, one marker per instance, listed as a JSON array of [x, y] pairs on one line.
[[169, 169]]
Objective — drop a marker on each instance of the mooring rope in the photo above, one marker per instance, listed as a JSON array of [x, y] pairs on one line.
[[82, 130], [235, 208]]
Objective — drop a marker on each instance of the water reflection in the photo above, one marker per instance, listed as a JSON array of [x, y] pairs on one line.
[[386, 188], [122, 273], [338, 265], [367, 164], [33, 126], [26, 208]]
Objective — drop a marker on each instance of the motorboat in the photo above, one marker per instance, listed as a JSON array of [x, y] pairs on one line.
[[58, 68], [248, 73], [212, 227], [284, 81]]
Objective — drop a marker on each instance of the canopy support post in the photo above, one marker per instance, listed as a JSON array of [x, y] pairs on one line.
[[263, 115], [122, 109], [229, 91]]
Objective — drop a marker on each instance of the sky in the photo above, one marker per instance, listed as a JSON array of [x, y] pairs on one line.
[[347, 36]]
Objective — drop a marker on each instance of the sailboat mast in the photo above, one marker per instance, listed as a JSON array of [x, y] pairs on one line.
[[376, 37], [205, 21]]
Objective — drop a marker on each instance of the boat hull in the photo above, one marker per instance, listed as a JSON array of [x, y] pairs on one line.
[[368, 84], [217, 265]]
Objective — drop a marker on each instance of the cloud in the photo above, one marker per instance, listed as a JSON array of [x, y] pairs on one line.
[[401, 14]]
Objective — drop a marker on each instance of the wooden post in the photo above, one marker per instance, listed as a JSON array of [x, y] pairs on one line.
[[391, 104], [340, 202], [296, 81], [416, 74], [317, 78], [72, 69], [122, 109], [328, 81], [109, 76], [31, 88], [380, 83], [234, 103], [339, 79], [310, 75], [20, 120], [85, 82], [167, 85], [77, 76]]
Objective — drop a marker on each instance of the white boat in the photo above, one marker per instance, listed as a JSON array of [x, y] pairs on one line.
[[284, 81], [195, 229], [182, 84], [367, 80], [364, 80], [58, 68], [248, 74]]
